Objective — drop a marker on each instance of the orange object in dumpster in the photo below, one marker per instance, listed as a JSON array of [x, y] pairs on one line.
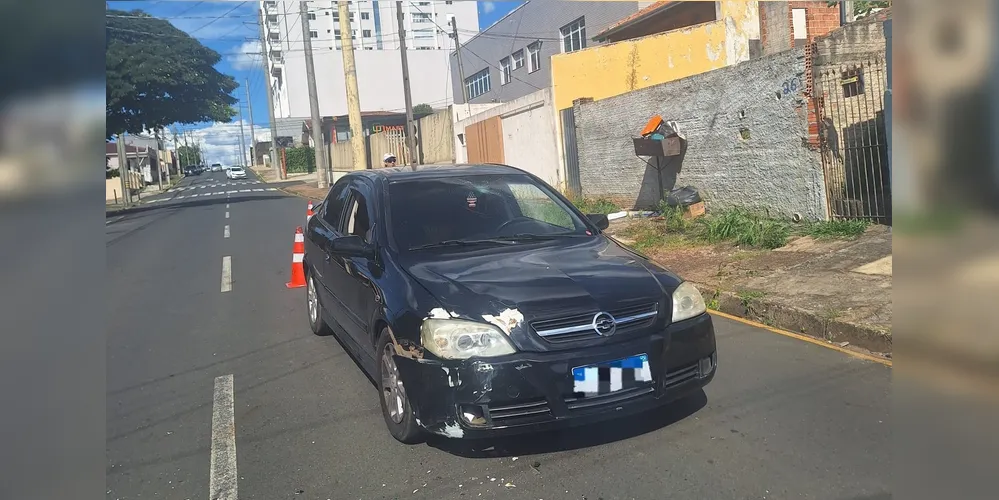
[[653, 126]]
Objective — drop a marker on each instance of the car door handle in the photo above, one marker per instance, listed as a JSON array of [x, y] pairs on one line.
[[327, 257]]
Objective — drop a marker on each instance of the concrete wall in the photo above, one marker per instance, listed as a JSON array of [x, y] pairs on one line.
[[529, 140], [613, 69], [341, 156], [536, 20], [746, 140], [437, 137]]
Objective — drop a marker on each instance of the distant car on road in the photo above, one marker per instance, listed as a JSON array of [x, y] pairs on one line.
[[235, 173], [192, 171], [483, 303], [216, 167]]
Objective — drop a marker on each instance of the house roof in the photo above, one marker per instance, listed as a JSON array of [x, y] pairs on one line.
[[633, 19], [111, 148]]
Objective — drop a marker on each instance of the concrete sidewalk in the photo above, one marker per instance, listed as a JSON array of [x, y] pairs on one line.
[[303, 185], [836, 290]]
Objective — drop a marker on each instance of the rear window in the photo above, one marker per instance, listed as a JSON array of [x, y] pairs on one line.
[[428, 211]]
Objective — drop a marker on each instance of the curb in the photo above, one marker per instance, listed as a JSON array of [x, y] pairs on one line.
[[798, 320], [300, 195]]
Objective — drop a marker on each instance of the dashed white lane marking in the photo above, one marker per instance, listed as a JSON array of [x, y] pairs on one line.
[[226, 274], [181, 197], [244, 190], [116, 219], [258, 190], [227, 215], [272, 189], [227, 205], [223, 478], [225, 234]]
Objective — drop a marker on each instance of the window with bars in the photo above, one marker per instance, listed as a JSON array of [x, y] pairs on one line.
[[365, 15], [478, 84], [852, 81], [313, 34], [505, 69], [366, 33], [423, 34], [573, 35], [422, 17], [518, 59], [534, 57], [312, 16]]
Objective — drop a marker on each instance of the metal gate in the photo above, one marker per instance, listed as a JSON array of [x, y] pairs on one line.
[[849, 105], [571, 153]]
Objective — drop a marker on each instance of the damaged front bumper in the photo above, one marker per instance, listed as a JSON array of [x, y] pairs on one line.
[[528, 392]]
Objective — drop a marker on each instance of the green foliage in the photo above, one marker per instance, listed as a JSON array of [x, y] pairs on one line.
[[300, 160], [423, 109], [189, 155], [675, 219], [746, 228], [157, 75], [863, 7], [838, 228], [595, 206]]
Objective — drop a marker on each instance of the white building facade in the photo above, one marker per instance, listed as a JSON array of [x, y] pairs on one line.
[[374, 27]]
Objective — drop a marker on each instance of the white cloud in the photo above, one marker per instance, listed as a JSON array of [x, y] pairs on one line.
[[246, 55], [488, 7], [220, 141]]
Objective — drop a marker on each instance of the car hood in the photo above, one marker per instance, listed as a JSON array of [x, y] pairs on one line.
[[540, 280]]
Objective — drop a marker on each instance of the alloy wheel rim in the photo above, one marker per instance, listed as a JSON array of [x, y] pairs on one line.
[[393, 392], [313, 301]]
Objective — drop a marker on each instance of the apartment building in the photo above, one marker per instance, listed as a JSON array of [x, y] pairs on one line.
[[511, 58], [375, 34]]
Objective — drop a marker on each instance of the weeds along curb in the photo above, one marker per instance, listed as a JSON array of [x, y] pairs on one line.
[[794, 319]]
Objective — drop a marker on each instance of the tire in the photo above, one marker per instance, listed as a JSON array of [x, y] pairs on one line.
[[401, 423], [316, 321]]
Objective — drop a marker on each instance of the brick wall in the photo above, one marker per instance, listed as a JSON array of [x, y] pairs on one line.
[[746, 131], [777, 23]]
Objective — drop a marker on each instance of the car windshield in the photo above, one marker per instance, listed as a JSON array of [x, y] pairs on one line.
[[470, 210]]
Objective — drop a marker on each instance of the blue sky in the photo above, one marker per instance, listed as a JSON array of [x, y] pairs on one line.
[[229, 27]]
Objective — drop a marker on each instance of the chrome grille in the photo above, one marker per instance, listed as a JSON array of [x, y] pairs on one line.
[[580, 326]]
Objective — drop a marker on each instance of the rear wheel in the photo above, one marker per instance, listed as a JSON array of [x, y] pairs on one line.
[[315, 308], [396, 408]]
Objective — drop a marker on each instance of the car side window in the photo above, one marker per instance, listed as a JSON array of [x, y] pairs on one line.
[[358, 221], [333, 208]]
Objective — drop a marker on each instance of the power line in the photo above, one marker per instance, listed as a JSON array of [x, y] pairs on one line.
[[230, 11]]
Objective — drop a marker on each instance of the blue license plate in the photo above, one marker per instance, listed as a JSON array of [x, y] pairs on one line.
[[611, 376]]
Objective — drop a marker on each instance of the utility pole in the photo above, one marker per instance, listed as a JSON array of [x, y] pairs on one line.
[[461, 69], [410, 126], [253, 137], [159, 140], [242, 140], [187, 149], [122, 168], [159, 159], [846, 15], [317, 121], [275, 163], [353, 98]]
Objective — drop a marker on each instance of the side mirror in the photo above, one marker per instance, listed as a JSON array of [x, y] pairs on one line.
[[352, 246], [599, 220]]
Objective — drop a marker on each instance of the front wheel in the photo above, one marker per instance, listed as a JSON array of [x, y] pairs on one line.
[[396, 408], [315, 308]]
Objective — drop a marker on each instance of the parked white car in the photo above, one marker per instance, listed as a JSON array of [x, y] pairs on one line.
[[235, 173]]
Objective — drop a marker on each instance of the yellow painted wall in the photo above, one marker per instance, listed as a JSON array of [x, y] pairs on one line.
[[609, 70]]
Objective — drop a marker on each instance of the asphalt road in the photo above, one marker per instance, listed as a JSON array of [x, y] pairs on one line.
[[782, 419]]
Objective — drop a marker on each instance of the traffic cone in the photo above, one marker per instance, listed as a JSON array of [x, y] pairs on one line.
[[308, 212], [297, 256]]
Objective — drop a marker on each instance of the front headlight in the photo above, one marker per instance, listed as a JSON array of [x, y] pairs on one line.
[[687, 302], [460, 339]]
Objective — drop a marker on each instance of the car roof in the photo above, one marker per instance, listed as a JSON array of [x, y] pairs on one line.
[[393, 174]]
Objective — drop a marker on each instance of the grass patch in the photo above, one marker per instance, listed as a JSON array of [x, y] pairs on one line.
[[746, 228], [595, 206], [838, 228]]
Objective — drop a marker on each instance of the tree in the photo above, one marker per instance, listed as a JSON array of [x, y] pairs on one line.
[[158, 75], [189, 155], [862, 8], [423, 109]]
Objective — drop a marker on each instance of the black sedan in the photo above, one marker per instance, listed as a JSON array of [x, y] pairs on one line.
[[483, 303]]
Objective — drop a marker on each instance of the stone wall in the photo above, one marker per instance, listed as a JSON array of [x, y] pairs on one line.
[[746, 129]]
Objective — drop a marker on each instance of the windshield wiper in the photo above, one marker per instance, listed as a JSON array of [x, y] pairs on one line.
[[460, 243], [538, 237]]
